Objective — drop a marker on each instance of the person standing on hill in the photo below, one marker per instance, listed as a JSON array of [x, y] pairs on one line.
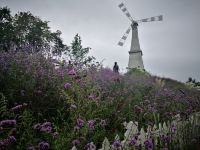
[[116, 68], [70, 65]]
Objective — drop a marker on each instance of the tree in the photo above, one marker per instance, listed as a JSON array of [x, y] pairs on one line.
[[29, 33], [26, 31], [77, 53], [6, 29], [59, 47], [189, 79]]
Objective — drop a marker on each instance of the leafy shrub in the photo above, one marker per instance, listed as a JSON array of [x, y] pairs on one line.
[[31, 79], [75, 104]]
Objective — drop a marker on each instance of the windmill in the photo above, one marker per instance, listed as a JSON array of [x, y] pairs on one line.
[[135, 53]]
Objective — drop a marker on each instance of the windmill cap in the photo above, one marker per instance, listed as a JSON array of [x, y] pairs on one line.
[[134, 23]]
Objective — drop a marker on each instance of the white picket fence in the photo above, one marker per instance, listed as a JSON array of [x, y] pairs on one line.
[[175, 128]]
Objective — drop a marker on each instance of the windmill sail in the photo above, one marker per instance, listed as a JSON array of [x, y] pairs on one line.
[[125, 11], [124, 37], [135, 53], [155, 18]]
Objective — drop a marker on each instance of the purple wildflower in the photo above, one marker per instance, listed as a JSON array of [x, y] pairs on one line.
[[5, 142], [80, 122], [45, 127], [43, 145], [79, 81], [103, 123], [149, 144], [46, 124], [30, 148], [67, 85], [18, 107], [132, 142], [164, 138], [90, 124], [7, 123], [117, 144], [72, 72], [173, 128], [12, 138], [90, 146], [76, 142], [151, 108]]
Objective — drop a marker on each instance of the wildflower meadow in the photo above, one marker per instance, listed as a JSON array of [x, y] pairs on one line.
[[44, 106], [58, 98]]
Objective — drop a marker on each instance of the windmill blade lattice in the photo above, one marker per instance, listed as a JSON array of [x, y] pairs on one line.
[[155, 18], [125, 10], [124, 37]]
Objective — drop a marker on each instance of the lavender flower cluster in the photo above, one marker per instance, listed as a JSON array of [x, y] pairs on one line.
[[6, 142], [44, 127], [91, 126], [90, 146], [43, 145], [6, 123], [90, 123], [19, 107], [11, 138], [149, 144], [117, 144], [30, 148], [165, 138], [133, 142]]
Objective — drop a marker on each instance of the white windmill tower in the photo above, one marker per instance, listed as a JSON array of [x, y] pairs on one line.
[[135, 53]]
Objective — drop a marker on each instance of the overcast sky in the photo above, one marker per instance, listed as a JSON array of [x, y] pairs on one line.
[[171, 48]]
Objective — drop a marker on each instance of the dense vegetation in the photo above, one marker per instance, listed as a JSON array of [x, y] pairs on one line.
[[50, 104]]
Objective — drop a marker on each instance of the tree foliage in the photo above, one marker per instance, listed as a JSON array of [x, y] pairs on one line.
[[6, 29], [193, 81], [77, 53], [24, 30], [29, 33]]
